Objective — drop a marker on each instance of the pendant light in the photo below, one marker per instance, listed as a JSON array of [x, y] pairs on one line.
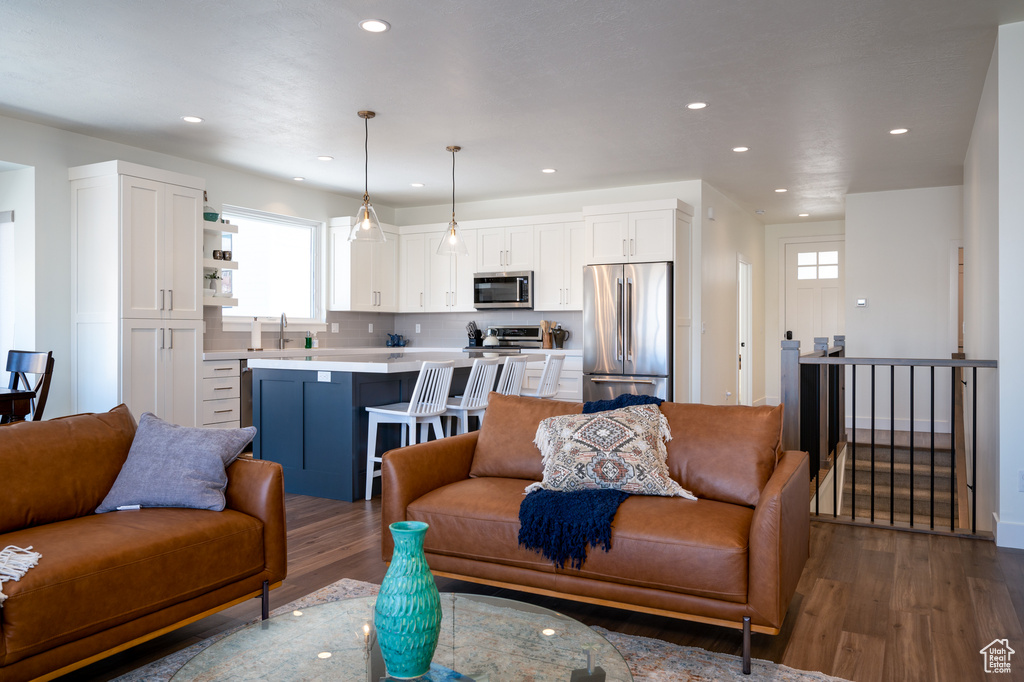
[[367, 227], [452, 244]]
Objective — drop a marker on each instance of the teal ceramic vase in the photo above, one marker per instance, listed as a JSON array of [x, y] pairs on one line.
[[408, 611]]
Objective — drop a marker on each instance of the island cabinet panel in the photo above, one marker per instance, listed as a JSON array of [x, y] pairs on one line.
[[317, 429]]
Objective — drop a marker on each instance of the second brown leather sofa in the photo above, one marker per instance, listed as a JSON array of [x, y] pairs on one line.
[[731, 558]]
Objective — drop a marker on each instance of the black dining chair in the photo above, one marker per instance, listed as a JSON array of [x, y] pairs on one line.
[[21, 363]]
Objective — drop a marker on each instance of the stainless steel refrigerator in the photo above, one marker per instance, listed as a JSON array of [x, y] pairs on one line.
[[627, 326]]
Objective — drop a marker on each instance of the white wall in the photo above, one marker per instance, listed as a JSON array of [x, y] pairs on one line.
[[17, 264], [1010, 96], [775, 239], [52, 151], [981, 283], [898, 250], [734, 234]]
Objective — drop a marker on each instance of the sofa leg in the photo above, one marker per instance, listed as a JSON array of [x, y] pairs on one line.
[[746, 645], [266, 600]]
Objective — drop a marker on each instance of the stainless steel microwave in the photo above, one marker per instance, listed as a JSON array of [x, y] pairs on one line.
[[503, 290]]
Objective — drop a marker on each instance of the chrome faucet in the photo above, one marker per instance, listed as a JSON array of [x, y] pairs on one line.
[[281, 339]]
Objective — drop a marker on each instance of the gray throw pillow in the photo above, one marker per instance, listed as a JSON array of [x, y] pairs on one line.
[[176, 466]]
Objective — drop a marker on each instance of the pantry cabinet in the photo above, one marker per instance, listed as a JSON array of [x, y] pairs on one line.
[[137, 266]]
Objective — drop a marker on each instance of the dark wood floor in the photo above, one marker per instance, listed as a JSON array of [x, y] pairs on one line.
[[873, 604]]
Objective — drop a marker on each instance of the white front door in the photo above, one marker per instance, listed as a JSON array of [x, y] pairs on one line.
[[815, 276]]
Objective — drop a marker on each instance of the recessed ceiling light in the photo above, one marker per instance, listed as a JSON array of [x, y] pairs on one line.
[[781, 190], [741, 149], [898, 131], [417, 184], [296, 179], [191, 119], [374, 25], [696, 105], [548, 170], [325, 158], [324, 654], [803, 215]]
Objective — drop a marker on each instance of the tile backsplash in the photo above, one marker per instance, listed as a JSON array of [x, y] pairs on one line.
[[437, 330]]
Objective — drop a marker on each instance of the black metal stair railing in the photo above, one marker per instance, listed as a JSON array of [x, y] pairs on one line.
[[814, 395]]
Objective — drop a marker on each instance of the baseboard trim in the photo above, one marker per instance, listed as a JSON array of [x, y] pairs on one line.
[[1008, 534]]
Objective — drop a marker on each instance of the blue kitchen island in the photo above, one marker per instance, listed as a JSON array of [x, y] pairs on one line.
[[309, 413]]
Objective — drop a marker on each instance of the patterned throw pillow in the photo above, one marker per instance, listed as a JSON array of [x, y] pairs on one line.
[[622, 450]]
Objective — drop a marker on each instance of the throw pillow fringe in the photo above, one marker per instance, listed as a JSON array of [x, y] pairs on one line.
[[14, 563]]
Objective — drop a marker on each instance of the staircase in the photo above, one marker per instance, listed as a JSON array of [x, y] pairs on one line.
[[892, 478]]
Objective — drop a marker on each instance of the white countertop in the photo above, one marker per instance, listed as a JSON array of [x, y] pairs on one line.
[[375, 363], [358, 355]]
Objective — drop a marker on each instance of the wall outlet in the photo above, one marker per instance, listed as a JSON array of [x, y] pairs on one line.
[[323, 376], [371, 327], [334, 327], [1020, 481], [417, 329]]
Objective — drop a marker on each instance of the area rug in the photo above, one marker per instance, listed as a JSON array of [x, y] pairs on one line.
[[649, 660]]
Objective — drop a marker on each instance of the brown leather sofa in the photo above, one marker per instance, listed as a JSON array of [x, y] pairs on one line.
[[732, 558], [108, 581]]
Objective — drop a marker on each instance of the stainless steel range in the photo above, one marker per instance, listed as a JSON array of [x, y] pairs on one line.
[[511, 339]]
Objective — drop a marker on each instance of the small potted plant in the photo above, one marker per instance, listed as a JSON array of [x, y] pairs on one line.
[[211, 281]]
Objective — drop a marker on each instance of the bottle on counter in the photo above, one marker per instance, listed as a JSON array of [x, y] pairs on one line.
[[309, 340], [316, 341]]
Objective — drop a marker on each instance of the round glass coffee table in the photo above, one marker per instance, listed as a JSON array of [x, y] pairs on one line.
[[486, 639]]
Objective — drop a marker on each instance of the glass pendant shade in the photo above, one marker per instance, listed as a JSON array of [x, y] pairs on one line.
[[452, 244], [367, 227]]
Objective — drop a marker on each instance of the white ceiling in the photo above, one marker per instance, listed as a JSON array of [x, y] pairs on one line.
[[594, 88]]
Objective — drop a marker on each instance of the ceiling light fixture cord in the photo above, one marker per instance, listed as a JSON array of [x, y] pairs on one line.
[[453, 184], [366, 158]]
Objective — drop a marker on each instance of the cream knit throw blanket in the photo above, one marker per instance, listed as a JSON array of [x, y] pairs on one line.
[[14, 563]]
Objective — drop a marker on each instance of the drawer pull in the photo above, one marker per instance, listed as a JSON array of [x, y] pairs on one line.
[[223, 388], [222, 369], [223, 411]]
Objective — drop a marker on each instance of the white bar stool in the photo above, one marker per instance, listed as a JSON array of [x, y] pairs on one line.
[[424, 409], [547, 387], [511, 380], [473, 402]]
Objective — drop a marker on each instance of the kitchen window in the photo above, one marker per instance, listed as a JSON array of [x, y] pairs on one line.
[[278, 262]]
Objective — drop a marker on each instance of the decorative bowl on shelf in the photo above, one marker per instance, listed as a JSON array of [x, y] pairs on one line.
[[211, 217]]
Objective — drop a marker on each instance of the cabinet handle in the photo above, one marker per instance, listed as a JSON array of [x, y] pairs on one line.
[[223, 411], [223, 388], [623, 248], [421, 299], [453, 299], [162, 344], [222, 369], [170, 293], [161, 299], [632, 247], [170, 336]]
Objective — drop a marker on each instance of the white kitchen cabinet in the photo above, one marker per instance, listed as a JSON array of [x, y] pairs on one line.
[[137, 267], [449, 279], [558, 266], [160, 373], [503, 249], [412, 275], [221, 394], [635, 237], [361, 275]]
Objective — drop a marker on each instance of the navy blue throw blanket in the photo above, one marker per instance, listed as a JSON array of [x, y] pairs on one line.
[[562, 525], [624, 400]]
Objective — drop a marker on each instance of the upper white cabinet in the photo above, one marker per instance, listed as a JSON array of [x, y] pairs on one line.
[[558, 266], [429, 283], [633, 237], [501, 249], [137, 307], [361, 275]]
